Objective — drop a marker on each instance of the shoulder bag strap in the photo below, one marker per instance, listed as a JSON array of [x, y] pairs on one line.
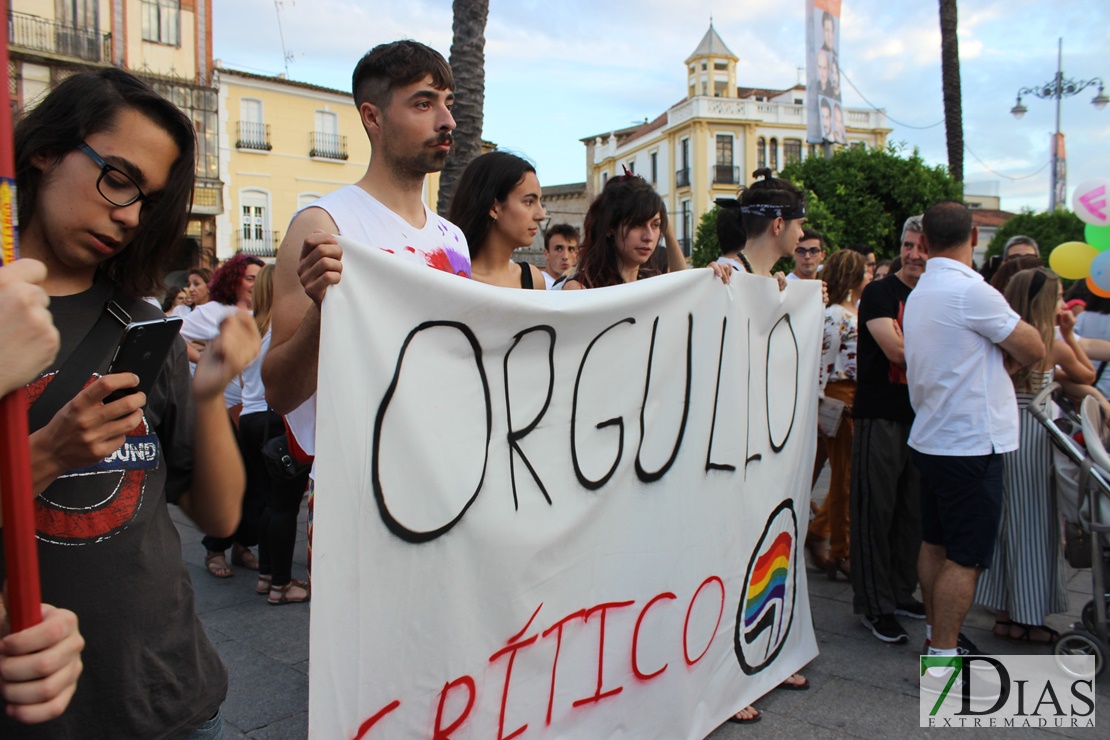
[[86, 359]]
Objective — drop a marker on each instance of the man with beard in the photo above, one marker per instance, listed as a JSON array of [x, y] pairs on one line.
[[404, 93], [884, 512]]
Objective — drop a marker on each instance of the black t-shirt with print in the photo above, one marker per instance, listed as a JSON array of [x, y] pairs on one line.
[[881, 390], [109, 552]]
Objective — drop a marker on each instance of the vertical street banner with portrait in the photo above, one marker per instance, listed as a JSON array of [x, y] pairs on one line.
[[1060, 171], [568, 514], [824, 109]]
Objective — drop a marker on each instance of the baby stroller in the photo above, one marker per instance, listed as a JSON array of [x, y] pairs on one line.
[[1083, 500]]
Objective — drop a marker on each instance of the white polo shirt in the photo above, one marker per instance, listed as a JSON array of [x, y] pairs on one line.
[[960, 391]]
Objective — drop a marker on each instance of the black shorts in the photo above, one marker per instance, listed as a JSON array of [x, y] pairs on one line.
[[961, 504]]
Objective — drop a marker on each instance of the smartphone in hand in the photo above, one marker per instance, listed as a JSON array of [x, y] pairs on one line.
[[142, 350]]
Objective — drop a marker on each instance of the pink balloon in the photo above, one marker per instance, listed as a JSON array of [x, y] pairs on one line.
[[1091, 201]]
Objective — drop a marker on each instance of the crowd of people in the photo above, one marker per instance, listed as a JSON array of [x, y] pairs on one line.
[[936, 476]]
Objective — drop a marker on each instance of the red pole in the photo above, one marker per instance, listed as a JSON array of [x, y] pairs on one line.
[[24, 602]]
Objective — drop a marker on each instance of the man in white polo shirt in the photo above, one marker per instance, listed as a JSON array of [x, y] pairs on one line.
[[962, 342]]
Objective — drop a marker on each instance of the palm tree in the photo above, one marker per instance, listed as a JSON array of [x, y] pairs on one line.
[[468, 65], [950, 81]]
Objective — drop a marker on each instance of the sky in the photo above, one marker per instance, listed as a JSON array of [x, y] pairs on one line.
[[561, 70]]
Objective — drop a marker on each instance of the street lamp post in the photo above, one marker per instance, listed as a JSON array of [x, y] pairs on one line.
[[1059, 88]]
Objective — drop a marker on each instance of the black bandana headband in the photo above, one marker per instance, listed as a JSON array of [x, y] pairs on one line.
[[1035, 285], [768, 210]]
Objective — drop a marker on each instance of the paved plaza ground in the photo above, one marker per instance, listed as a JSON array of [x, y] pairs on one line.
[[860, 686]]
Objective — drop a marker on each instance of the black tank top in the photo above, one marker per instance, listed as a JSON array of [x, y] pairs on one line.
[[525, 275]]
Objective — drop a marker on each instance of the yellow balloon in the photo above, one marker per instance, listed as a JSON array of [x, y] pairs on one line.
[[1072, 260]]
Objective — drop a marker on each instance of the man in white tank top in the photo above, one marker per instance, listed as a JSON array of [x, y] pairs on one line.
[[404, 93]]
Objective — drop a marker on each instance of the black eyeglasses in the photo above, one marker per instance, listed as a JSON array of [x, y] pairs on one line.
[[115, 185], [812, 251]]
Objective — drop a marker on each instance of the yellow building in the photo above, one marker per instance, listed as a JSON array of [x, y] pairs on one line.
[[705, 146], [283, 145], [168, 43]]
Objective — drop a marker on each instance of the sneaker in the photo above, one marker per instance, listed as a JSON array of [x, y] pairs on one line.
[[886, 628], [913, 609], [964, 646]]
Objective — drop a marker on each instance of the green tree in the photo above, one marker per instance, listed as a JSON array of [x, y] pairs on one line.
[[865, 195], [1047, 229], [706, 247]]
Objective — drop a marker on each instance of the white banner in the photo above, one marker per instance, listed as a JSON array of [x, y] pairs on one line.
[[555, 514]]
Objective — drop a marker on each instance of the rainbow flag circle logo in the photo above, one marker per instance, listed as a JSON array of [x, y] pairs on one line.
[[766, 609]]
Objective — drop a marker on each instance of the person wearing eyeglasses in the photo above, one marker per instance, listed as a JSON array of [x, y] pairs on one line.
[[808, 256], [1020, 246], [105, 170]]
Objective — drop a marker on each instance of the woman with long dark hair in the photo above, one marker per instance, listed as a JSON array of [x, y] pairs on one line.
[[497, 204], [622, 231]]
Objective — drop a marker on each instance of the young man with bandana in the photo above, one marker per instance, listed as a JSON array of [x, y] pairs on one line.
[[772, 211]]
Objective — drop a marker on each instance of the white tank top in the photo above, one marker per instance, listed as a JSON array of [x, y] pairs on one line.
[[359, 216]]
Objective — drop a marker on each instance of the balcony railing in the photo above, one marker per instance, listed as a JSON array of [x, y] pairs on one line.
[[30, 32], [328, 146], [257, 242], [726, 174], [251, 135], [682, 178]]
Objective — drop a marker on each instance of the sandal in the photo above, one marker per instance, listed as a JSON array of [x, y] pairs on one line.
[[263, 585], [1025, 634], [756, 716], [802, 685], [815, 546], [280, 594], [1005, 624], [838, 565], [244, 557], [216, 564]]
